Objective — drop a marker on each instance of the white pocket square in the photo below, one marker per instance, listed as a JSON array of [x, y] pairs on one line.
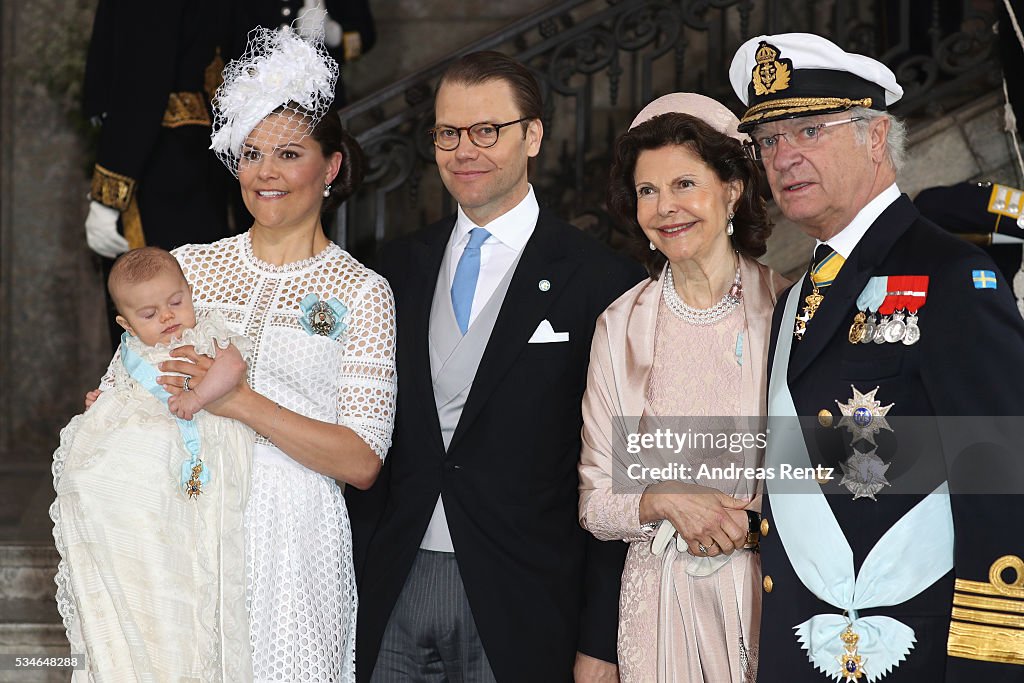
[[545, 334]]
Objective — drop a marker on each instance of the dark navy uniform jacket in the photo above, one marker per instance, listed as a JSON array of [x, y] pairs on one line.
[[147, 82], [968, 362]]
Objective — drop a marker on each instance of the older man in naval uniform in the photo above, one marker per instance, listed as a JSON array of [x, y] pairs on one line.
[[879, 573]]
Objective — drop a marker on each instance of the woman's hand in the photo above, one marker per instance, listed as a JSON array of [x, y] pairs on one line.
[[195, 365], [701, 515]]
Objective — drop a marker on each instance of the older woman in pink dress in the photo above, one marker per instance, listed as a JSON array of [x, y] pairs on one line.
[[690, 341]]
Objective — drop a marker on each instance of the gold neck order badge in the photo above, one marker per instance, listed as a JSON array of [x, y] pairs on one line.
[[852, 663], [195, 486]]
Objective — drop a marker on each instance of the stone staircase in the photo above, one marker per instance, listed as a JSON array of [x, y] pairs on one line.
[[29, 623]]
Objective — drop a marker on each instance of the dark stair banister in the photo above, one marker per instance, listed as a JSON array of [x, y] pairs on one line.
[[598, 61]]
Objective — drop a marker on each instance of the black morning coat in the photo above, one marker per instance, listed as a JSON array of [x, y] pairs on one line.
[[969, 362], [539, 586]]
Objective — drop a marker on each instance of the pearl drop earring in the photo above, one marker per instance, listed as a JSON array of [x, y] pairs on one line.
[[651, 245], [729, 230], [327, 190]]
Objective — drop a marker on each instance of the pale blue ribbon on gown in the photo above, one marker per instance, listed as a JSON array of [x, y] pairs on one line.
[[145, 374], [902, 563], [466, 275]]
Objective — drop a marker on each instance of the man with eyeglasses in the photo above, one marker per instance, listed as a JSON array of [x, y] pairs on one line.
[[471, 561], [895, 566]]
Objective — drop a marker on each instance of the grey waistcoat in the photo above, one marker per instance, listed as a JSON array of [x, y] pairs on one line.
[[454, 360]]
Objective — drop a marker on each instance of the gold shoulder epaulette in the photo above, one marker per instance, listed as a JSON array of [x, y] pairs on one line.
[[988, 617], [1006, 201], [111, 189]]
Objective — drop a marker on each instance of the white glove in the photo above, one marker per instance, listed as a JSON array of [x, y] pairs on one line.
[[101, 231]]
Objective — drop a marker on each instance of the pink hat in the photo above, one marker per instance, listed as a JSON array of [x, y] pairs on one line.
[[710, 111]]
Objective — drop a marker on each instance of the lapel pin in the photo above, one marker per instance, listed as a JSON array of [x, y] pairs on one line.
[[544, 285]]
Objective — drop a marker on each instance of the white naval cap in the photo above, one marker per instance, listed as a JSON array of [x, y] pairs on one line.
[[801, 74]]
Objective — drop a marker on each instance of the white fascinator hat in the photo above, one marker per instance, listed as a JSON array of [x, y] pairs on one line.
[[288, 67]]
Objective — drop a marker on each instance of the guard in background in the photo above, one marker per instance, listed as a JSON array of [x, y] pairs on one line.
[[151, 71], [987, 214], [349, 31]]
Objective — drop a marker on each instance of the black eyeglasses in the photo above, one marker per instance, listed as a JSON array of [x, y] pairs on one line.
[[482, 134]]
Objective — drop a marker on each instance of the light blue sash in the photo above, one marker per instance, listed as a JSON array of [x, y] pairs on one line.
[[913, 554], [145, 374]]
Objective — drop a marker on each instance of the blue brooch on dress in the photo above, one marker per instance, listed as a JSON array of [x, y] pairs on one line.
[[325, 318]]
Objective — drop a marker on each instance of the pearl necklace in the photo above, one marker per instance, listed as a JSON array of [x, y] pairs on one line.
[[702, 316]]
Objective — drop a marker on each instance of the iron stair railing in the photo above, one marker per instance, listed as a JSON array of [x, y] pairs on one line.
[[600, 61]]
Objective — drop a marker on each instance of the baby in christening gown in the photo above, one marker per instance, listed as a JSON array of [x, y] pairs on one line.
[[151, 492]]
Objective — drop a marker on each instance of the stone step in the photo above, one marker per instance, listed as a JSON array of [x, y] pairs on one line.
[[27, 571], [31, 628], [29, 623]]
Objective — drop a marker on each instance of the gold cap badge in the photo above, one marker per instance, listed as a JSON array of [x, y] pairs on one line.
[[770, 74]]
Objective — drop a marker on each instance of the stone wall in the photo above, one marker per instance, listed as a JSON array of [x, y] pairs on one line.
[[412, 34], [52, 344]]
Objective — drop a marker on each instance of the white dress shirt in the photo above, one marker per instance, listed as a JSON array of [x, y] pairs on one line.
[[846, 239], [509, 234]]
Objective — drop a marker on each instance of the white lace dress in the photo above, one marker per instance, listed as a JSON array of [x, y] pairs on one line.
[[150, 585], [301, 586]]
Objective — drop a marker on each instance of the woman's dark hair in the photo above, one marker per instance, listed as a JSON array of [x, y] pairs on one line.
[[333, 137], [719, 151]]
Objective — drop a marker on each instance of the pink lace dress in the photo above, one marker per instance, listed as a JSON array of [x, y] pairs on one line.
[[675, 625]]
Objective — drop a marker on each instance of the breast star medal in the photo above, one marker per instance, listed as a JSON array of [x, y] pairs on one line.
[[863, 416], [851, 663], [864, 474]]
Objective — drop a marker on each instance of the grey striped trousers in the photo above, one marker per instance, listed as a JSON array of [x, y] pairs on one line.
[[431, 635]]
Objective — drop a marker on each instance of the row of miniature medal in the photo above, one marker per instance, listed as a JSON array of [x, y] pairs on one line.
[[897, 299]]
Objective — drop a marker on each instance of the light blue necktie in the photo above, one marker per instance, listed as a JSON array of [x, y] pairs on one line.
[[466, 274]]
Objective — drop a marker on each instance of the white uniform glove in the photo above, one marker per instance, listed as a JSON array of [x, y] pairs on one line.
[[101, 231], [311, 23]]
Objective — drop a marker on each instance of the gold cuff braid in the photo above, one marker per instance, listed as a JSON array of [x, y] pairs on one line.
[[985, 624], [185, 109], [111, 189]]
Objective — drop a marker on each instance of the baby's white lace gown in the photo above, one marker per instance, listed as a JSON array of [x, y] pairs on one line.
[[150, 585], [301, 590]]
